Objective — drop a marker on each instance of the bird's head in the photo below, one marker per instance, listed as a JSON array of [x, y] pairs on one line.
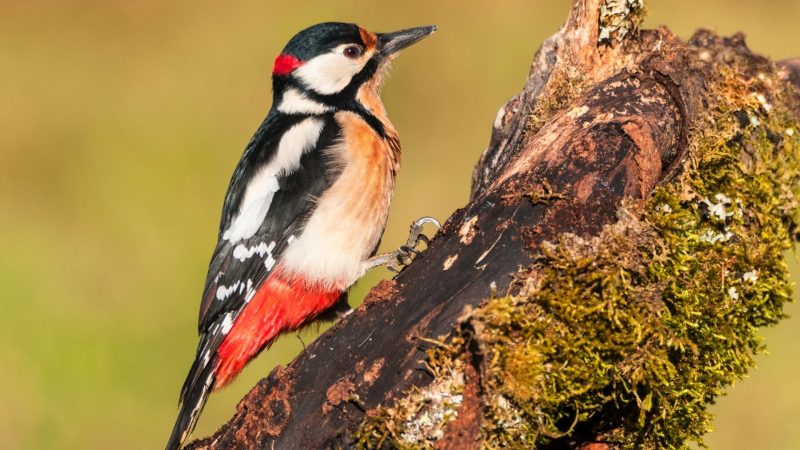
[[325, 66]]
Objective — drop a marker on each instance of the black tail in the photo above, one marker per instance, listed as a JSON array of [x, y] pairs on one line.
[[193, 398]]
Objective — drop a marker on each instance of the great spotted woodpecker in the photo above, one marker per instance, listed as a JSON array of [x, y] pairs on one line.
[[306, 206]]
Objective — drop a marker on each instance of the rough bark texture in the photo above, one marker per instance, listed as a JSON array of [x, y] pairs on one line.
[[603, 117]]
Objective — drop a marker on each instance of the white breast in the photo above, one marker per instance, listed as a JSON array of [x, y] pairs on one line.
[[263, 186], [350, 216]]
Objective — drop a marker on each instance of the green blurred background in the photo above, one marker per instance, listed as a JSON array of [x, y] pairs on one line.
[[121, 123]]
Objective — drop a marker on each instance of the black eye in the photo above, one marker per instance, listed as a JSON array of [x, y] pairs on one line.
[[353, 51]]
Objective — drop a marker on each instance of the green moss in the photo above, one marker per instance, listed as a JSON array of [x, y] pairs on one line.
[[563, 87], [646, 324]]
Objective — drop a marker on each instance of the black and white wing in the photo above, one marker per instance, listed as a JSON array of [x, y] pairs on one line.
[[273, 190]]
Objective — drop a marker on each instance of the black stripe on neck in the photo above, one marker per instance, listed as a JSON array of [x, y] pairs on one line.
[[345, 100]]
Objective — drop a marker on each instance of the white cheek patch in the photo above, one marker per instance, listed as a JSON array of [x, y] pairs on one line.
[[329, 73], [263, 186]]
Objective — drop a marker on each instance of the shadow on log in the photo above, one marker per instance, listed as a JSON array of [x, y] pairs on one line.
[[605, 117]]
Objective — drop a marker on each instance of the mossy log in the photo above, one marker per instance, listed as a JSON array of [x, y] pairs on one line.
[[623, 243]]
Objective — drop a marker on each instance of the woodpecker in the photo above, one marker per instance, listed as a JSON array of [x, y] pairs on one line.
[[306, 206]]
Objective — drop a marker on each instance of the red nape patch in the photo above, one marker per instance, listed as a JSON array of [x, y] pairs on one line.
[[285, 64], [282, 303]]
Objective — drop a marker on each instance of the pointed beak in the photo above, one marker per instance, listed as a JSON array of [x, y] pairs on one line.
[[390, 43]]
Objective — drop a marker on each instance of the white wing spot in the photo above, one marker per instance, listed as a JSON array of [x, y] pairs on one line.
[[227, 323], [224, 292], [264, 184], [249, 285], [250, 291], [242, 253]]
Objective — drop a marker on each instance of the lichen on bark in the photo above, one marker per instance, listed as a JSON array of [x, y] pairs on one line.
[[618, 19], [630, 335]]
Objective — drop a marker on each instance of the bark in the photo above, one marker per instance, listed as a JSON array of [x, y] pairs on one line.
[[600, 120]]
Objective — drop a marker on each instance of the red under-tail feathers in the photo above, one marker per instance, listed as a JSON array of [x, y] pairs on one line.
[[283, 303]]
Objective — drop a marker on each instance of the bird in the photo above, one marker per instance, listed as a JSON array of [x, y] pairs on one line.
[[306, 206]]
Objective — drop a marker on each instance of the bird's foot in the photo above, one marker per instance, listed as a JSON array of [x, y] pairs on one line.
[[407, 252]]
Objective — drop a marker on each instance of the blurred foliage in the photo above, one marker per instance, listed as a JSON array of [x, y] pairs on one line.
[[121, 123]]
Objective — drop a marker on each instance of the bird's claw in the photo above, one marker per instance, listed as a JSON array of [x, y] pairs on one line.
[[407, 252], [415, 231], [395, 261]]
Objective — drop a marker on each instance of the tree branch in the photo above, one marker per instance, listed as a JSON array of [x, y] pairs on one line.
[[604, 118]]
